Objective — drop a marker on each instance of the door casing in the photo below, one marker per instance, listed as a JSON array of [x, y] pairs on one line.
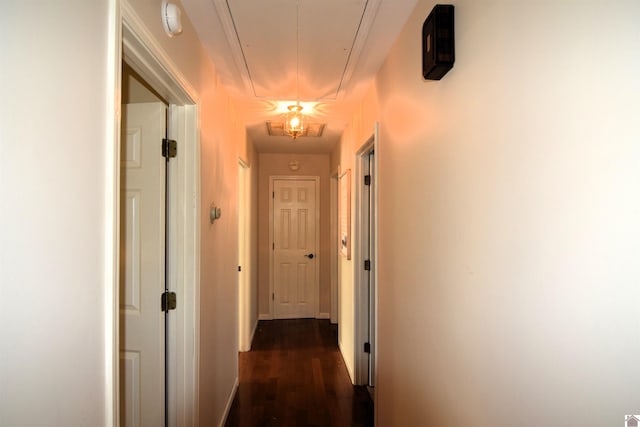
[[244, 259], [366, 312], [333, 250]]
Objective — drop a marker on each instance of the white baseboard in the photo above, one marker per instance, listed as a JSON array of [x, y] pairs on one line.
[[229, 403], [270, 317]]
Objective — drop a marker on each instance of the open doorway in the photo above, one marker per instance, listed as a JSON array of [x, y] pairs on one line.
[[366, 263]]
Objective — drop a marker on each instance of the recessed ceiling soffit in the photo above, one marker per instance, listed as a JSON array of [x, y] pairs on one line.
[[296, 49]]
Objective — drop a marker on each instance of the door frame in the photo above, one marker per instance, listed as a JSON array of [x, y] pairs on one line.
[[137, 46], [334, 313], [316, 286], [244, 258], [362, 304]]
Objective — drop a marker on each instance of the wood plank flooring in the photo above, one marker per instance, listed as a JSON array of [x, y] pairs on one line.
[[294, 375]]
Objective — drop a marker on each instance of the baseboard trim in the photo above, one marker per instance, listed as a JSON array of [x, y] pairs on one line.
[[270, 317], [227, 408]]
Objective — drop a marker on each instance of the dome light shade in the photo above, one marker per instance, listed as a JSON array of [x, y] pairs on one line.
[[171, 18]]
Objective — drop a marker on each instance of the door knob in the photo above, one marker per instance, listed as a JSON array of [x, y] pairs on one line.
[[310, 256]]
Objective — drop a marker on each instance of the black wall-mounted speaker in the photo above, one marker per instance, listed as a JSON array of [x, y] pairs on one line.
[[438, 48]]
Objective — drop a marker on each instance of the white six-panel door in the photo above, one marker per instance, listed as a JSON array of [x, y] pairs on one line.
[[142, 263], [295, 257]]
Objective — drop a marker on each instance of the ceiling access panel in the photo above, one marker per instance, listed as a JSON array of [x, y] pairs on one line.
[[298, 49]]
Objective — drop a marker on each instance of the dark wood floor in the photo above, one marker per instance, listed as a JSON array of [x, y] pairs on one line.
[[294, 375]]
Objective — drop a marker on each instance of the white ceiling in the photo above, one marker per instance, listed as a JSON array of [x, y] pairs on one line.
[[269, 53]]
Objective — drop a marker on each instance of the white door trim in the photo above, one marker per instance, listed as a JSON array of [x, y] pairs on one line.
[[146, 57], [244, 263], [112, 219], [316, 291], [333, 242], [361, 311]]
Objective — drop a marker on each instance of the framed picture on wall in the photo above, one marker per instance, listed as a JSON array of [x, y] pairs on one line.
[[344, 209]]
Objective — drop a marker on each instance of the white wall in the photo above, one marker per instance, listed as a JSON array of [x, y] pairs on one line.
[[57, 192], [509, 225]]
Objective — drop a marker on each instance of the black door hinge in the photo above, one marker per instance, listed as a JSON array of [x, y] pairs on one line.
[[169, 148], [367, 347], [367, 180], [367, 265], [239, 268], [169, 301]]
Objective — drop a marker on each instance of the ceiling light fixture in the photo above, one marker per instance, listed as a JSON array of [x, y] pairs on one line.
[[294, 120]]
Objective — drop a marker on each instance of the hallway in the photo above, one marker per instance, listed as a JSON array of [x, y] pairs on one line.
[[294, 375], [508, 213]]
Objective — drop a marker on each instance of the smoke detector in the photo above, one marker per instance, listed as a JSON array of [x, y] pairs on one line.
[[171, 18]]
